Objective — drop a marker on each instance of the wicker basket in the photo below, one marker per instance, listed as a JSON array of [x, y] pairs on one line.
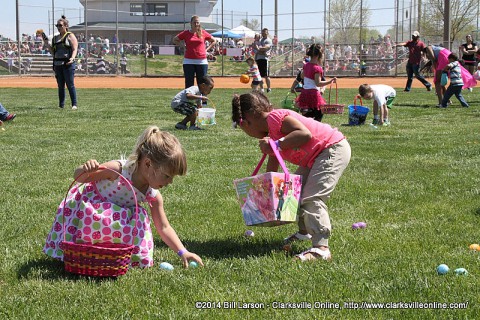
[[334, 108], [100, 259]]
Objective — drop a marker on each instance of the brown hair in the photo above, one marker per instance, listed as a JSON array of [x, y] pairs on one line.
[[163, 149], [315, 50], [198, 32], [364, 89], [64, 20], [252, 102]]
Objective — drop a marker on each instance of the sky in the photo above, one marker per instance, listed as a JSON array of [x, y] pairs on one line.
[[308, 19]]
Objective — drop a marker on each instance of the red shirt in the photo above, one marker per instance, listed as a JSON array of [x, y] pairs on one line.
[[195, 46], [415, 51]]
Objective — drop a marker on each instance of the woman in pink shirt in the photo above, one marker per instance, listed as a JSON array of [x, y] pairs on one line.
[[195, 63], [321, 152]]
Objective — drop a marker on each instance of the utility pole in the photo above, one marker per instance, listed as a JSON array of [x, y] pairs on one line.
[[446, 26]]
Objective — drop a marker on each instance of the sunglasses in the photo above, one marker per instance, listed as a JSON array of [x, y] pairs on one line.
[[59, 25]]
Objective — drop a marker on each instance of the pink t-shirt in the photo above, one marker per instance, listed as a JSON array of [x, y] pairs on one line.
[[195, 47], [323, 136], [309, 70]]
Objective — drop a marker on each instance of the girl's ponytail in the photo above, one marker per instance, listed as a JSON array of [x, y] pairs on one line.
[[236, 109]]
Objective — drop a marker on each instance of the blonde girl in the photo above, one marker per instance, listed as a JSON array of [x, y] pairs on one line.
[[101, 210]]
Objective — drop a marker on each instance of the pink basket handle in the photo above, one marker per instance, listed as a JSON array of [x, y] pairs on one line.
[[336, 93], [121, 177], [273, 144]]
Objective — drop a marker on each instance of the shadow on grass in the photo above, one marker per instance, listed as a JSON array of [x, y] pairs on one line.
[[231, 248], [416, 105], [51, 269]]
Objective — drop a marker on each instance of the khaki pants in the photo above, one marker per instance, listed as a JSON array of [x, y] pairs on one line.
[[317, 185]]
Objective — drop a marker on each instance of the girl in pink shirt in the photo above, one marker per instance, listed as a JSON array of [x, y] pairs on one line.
[[195, 63], [321, 152], [310, 99]]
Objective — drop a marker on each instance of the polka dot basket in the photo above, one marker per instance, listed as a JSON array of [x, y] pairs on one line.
[[99, 259]]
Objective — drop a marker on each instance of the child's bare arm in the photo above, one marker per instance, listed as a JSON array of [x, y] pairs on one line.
[[168, 234]]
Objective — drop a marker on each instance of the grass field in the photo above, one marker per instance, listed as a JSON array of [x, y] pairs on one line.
[[416, 184]]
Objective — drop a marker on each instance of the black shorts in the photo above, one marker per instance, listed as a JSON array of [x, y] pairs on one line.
[[263, 67], [256, 83]]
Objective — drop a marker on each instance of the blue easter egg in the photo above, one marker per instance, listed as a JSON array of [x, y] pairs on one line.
[[442, 269], [166, 266], [193, 264]]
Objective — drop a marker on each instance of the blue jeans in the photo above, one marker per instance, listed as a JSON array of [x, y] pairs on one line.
[[65, 75], [3, 112], [192, 70], [454, 90], [411, 70]]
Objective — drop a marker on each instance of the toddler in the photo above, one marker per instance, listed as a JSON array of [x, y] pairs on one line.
[[383, 97], [189, 100]]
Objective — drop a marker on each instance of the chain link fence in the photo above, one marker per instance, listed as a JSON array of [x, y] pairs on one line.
[[136, 38]]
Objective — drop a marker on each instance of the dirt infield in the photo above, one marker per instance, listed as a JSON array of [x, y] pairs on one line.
[[178, 83]]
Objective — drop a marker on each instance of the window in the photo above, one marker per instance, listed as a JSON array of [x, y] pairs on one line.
[[153, 9]]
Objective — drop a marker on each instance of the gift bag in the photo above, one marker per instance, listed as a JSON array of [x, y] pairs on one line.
[[269, 199], [357, 114]]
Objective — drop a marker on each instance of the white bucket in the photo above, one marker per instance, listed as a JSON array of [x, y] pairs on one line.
[[206, 116]]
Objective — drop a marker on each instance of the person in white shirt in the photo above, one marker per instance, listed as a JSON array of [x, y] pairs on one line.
[[383, 97]]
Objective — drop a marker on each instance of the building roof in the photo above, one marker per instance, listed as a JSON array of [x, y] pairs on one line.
[[151, 26]]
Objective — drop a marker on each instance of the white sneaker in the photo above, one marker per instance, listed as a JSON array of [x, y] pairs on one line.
[[74, 108], [470, 89]]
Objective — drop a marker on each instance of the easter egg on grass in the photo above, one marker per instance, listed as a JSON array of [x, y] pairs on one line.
[[166, 266], [249, 233], [442, 269]]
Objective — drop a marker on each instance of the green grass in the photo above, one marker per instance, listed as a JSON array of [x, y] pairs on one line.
[[415, 183]]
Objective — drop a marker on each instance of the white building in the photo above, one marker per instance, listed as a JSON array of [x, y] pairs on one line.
[[163, 18]]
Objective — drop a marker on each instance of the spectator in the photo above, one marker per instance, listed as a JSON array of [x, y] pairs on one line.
[[263, 48], [64, 50], [468, 50], [195, 63]]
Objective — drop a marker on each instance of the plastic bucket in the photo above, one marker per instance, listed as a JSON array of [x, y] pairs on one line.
[[357, 115], [206, 116]]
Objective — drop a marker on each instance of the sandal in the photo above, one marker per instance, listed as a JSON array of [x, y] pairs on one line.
[[314, 254], [296, 237]]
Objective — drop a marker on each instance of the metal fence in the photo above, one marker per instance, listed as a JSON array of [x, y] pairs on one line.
[[138, 40]]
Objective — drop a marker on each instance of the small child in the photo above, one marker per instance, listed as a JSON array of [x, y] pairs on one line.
[[257, 82], [383, 97], [189, 100], [101, 210], [456, 82], [5, 115], [310, 99], [123, 64], [321, 152]]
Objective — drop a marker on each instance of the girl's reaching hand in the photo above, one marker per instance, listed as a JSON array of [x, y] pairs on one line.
[[91, 166], [188, 256]]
